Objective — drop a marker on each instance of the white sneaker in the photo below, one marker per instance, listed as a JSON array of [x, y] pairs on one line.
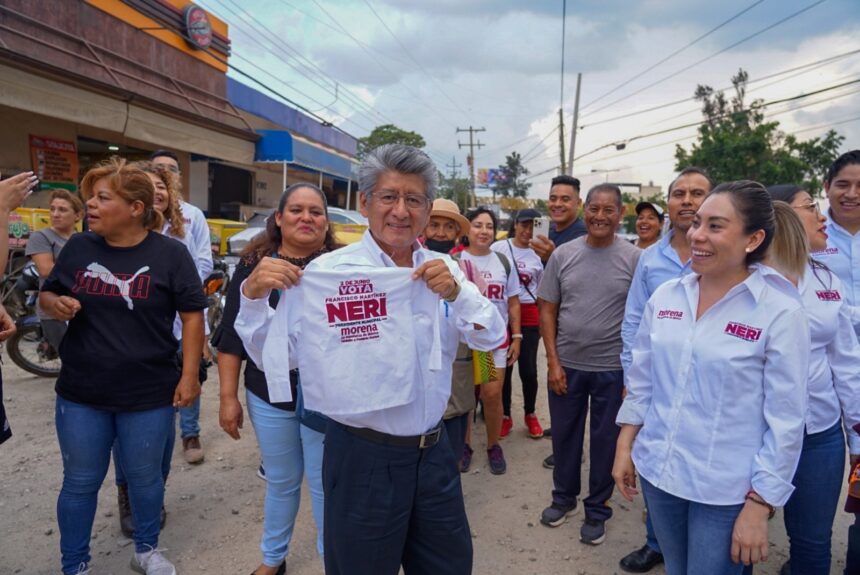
[[152, 563], [83, 569]]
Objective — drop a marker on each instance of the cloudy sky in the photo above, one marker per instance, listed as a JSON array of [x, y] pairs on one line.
[[433, 66]]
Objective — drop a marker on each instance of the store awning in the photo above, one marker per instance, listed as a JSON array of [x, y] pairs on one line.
[[281, 146], [48, 97]]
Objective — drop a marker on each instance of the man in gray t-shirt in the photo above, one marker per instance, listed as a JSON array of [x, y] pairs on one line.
[[581, 297]]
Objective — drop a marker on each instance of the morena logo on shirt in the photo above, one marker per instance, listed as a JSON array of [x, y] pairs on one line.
[[826, 252], [356, 310], [742, 331], [828, 295], [670, 314]]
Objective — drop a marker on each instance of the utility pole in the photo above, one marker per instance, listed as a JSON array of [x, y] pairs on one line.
[[471, 159], [575, 125], [453, 165], [561, 140]]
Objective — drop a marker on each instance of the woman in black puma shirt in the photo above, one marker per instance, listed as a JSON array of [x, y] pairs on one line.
[[120, 286]]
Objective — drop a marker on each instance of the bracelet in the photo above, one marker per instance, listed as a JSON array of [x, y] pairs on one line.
[[756, 498], [451, 297], [516, 336]]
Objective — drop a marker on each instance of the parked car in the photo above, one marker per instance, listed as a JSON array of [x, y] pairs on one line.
[[349, 225]]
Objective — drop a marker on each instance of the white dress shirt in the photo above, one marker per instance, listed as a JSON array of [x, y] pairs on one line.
[[457, 320], [199, 245], [834, 361], [842, 255], [721, 399]]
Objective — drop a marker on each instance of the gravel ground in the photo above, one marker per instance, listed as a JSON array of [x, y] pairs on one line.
[[215, 509]]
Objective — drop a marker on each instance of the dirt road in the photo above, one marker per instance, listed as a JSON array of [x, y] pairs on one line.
[[215, 509]]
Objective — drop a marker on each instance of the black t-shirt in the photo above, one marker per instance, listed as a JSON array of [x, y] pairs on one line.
[[226, 340], [574, 230], [119, 352]]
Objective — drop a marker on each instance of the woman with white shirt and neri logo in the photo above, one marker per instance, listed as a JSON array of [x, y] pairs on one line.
[[833, 385], [716, 395], [500, 284], [529, 268]]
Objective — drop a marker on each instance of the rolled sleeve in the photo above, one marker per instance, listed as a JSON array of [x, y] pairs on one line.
[[471, 309], [843, 354], [638, 376], [785, 399], [252, 324]]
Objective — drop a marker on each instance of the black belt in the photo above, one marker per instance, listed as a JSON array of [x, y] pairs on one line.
[[424, 441]]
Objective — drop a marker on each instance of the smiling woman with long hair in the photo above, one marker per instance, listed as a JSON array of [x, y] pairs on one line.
[[119, 286], [290, 439], [716, 394]]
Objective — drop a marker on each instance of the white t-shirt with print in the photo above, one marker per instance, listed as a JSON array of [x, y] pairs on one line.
[[501, 286], [528, 264]]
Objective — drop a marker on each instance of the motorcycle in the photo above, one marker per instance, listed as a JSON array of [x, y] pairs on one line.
[[28, 348]]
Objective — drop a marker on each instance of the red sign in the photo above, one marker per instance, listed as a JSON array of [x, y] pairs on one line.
[[198, 29]]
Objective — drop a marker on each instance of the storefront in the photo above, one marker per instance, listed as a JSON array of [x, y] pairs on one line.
[[85, 80]]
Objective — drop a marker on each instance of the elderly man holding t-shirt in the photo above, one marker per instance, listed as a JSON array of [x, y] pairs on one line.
[[392, 491], [581, 299]]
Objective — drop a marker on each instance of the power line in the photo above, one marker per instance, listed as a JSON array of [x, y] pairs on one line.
[[411, 57], [361, 106], [811, 65], [714, 55], [372, 57], [695, 124], [828, 125], [675, 53], [538, 145]]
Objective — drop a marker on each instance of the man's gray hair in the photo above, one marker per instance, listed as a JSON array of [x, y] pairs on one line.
[[397, 158], [609, 188]]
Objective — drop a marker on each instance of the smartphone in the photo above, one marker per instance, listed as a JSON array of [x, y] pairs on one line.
[[541, 227]]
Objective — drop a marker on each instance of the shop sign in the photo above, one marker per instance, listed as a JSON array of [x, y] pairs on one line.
[[198, 29], [55, 162]]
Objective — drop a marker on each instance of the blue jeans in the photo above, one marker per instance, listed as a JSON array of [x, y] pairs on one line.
[[852, 558], [86, 435], [650, 536], [810, 512], [695, 538], [289, 451]]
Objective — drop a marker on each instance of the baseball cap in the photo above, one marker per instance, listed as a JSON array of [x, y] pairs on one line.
[[645, 205], [527, 214]]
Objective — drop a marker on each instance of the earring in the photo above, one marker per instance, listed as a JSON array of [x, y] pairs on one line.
[[747, 250]]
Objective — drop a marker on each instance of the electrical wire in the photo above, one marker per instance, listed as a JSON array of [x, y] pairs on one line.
[[694, 124], [411, 57], [812, 65], [673, 54], [711, 56]]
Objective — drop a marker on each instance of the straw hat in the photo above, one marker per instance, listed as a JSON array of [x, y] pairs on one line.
[[448, 209]]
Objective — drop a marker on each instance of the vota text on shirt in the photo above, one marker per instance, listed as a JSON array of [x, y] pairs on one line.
[[356, 310]]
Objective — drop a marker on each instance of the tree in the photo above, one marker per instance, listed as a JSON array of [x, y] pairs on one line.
[[736, 143], [511, 178], [459, 190], [388, 134]]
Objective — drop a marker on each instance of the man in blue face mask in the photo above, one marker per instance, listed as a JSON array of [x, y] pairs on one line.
[[445, 226]]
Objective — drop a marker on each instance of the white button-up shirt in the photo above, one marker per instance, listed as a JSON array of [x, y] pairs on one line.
[[199, 245], [834, 362], [457, 320], [721, 399], [842, 255]]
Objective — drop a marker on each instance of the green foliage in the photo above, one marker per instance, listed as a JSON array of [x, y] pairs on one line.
[[388, 134], [457, 189], [541, 206], [512, 181], [736, 143]]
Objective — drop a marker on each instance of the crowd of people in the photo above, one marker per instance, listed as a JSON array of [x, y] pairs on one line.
[[715, 358]]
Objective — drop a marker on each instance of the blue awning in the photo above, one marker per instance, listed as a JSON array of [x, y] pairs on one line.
[[280, 146], [274, 146]]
